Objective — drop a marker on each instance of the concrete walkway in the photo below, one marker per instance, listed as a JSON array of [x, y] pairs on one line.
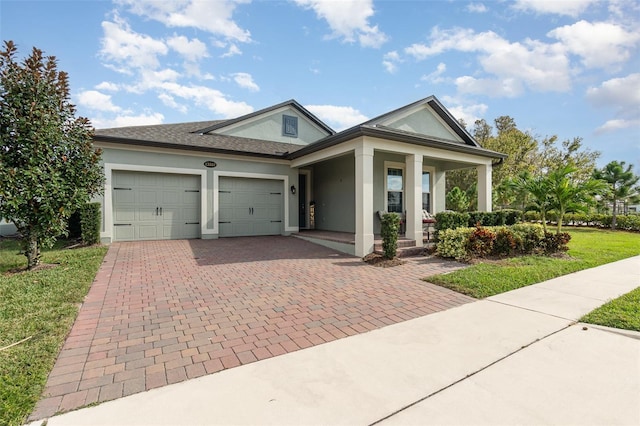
[[515, 358]]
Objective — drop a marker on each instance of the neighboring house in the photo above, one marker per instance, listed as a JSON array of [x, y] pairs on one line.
[[7, 228], [280, 170]]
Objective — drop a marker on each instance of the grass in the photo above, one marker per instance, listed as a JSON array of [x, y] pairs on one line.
[[43, 304], [588, 248], [623, 312]]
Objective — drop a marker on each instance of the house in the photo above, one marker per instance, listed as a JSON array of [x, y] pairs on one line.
[[280, 170]]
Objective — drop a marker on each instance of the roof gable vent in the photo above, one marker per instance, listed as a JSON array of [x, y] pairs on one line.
[[289, 126]]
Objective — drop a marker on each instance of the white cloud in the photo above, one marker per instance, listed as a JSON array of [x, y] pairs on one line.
[[191, 50], [207, 97], [128, 120], [97, 101], [476, 8], [215, 17], [338, 117], [245, 81], [233, 51], [622, 94], [436, 76], [599, 44], [169, 101], [390, 61], [108, 86], [510, 66], [129, 49], [559, 7], [348, 20], [464, 111]]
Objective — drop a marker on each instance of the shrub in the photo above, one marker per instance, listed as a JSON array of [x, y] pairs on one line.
[[389, 230], [451, 220], [506, 242], [452, 243], [90, 216], [74, 229], [480, 242], [628, 222], [554, 243], [512, 217], [528, 236], [531, 216]]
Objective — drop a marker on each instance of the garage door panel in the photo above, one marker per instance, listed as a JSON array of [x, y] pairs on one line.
[[156, 205], [253, 206]]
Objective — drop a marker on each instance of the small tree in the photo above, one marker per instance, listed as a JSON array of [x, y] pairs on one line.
[[389, 231], [538, 189], [568, 193], [48, 166], [457, 200], [620, 181]]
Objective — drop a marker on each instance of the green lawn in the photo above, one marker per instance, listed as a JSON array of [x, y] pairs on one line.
[[588, 248], [40, 304], [623, 312]]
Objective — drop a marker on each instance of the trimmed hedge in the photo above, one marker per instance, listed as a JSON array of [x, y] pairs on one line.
[[390, 227], [90, 217], [524, 238], [630, 222], [453, 220]]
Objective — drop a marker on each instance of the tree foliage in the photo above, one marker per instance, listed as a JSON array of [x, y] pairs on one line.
[[457, 200], [48, 166], [621, 183]]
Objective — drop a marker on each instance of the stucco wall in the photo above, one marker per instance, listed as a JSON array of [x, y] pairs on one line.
[[7, 228], [195, 162], [270, 128], [334, 194], [425, 122]]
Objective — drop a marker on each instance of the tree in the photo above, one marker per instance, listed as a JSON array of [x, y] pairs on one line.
[[48, 166], [569, 193], [620, 182], [538, 188], [457, 200], [570, 152]]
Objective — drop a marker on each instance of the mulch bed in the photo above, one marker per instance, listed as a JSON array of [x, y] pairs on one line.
[[375, 259]]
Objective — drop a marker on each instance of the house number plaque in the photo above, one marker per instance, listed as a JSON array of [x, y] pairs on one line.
[[210, 164]]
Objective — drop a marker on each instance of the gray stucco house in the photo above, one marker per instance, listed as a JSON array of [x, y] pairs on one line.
[[280, 170]]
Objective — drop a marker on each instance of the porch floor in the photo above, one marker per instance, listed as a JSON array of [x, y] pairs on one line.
[[348, 237]]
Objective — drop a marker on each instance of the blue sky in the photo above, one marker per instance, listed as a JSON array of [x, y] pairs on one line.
[[565, 68]]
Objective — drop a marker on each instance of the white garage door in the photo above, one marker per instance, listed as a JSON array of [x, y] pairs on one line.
[[155, 206], [250, 207]]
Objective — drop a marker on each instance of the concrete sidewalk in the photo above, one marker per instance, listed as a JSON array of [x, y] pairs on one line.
[[518, 358]]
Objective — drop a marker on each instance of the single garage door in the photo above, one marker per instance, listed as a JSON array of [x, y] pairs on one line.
[[250, 207], [155, 206]]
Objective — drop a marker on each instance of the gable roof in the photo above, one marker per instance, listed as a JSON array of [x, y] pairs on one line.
[[200, 136], [186, 136], [290, 103]]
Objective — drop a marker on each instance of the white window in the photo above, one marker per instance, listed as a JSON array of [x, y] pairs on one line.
[[426, 191], [394, 187]]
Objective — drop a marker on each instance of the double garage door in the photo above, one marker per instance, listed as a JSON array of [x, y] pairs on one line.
[[157, 206]]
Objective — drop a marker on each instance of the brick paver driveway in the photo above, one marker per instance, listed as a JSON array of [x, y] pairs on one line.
[[161, 312]]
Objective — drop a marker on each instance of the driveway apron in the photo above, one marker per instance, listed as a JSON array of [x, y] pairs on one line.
[[162, 312]]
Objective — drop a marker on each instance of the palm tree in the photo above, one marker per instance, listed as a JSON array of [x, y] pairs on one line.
[[568, 194], [620, 181], [538, 189]]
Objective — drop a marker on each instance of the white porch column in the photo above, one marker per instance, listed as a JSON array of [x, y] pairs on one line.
[[364, 200], [413, 202], [484, 188], [439, 196]]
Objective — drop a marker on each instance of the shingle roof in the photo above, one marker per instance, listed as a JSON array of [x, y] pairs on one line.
[[182, 136]]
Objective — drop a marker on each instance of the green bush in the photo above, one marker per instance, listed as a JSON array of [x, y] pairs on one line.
[[74, 229], [528, 236], [628, 222], [389, 230], [452, 243], [512, 217], [90, 216], [531, 216], [451, 220]]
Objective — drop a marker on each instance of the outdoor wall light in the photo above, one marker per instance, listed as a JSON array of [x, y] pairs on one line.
[[293, 189]]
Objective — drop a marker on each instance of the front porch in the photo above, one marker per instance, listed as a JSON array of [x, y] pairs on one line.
[[346, 241]]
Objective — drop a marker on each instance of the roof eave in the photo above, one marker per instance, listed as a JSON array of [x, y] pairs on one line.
[[168, 145], [395, 136]]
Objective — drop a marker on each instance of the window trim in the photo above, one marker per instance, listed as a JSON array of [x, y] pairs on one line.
[[395, 165], [294, 119]]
